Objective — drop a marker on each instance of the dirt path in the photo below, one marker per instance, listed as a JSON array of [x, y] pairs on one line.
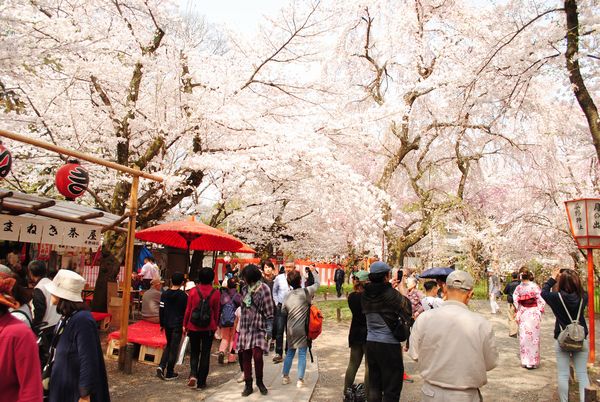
[[507, 382]]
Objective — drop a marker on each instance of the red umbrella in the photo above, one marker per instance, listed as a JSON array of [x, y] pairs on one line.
[[246, 250], [190, 235]]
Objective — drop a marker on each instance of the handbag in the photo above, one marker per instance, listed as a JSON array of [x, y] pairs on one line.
[[400, 328], [570, 338]]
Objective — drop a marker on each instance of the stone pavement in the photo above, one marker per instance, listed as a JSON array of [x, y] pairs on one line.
[[231, 390]]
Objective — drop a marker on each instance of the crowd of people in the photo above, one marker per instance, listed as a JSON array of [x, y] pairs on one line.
[[50, 346], [453, 346], [51, 351]]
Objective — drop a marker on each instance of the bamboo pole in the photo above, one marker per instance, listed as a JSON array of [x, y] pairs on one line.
[[133, 205], [79, 155]]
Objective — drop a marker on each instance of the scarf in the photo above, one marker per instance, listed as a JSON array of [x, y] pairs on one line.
[[248, 295]]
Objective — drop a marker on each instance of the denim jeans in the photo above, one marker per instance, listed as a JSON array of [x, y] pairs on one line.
[[562, 368], [289, 358]]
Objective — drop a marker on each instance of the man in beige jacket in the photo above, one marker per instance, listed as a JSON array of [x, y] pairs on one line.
[[453, 346]]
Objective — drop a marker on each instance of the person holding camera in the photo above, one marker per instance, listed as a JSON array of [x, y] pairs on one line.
[[568, 305], [382, 306]]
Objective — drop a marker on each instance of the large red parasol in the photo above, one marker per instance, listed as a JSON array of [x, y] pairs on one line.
[[190, 235], [246, 249]]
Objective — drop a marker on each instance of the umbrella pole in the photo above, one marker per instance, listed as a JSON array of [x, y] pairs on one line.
[[189, 258], [133, 205]]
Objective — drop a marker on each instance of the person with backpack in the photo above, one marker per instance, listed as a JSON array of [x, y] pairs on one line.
[[568, 305], [530, 307], [230, 301], [256, 321], [509, 289], [200, 323], [296, 307], [173, 303]]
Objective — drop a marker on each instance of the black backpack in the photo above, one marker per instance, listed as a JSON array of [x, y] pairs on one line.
[[201, 313]]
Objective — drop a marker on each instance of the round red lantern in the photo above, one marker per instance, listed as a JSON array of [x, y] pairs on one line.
[[72, 180], [5, 161]]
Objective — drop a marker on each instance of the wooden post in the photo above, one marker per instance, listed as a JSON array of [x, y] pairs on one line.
[[338, 312], [591, 321], [590, 394], [325, 296], [133, 205]]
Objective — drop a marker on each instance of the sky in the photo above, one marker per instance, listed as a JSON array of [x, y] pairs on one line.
[[241, 15]]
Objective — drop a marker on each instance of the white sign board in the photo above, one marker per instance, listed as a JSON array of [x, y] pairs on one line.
[[49, 231]]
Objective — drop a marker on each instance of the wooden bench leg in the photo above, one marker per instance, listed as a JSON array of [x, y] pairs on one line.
[[104, 323], [112, 350], [150, 355]]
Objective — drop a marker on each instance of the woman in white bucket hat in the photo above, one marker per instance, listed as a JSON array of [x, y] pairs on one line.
[[78, 372]]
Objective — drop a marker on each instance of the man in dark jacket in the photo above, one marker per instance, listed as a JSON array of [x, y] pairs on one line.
[[382, 305], [509, 289], [338, 278], [172, 310]]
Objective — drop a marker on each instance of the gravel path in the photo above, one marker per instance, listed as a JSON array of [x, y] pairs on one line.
[[507, 382]]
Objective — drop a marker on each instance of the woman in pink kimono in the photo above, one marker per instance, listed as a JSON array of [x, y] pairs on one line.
[[530, 306]]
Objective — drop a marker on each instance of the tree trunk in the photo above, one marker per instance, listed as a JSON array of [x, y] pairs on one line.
[[113, 252], [581, 93]]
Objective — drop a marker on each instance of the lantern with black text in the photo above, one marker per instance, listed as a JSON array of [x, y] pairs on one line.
[[5, 161], [72, 180]]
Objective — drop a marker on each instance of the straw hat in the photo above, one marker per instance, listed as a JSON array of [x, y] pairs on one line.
[[67, 285]]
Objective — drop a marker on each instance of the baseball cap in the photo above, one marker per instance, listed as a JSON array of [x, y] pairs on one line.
[[379, 267], [460, 280], [362, 275]]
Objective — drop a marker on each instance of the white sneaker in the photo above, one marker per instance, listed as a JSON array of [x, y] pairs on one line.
[[300, 383], [285, 380], [240, 378]]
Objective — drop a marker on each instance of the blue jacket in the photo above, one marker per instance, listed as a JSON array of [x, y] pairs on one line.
[[78, 368]]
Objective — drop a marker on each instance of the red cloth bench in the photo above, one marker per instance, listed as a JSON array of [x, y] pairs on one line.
[[103, 319], [143, 333]]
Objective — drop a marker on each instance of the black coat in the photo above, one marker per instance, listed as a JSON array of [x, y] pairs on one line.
[[78, 368], [384, 299]]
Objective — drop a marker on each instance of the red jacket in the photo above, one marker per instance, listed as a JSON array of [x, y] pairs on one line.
[[194, 301], [20, 372]]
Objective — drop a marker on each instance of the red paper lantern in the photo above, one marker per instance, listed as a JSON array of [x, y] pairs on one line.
[[5, 161], [72, 180]]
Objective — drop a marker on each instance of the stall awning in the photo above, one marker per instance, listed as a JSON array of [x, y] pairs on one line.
[[27, 205]]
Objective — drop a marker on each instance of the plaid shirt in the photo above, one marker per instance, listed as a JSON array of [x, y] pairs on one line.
[[253, 320]]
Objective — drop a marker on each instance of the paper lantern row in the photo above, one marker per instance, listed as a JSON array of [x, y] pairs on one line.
[[71, 181]]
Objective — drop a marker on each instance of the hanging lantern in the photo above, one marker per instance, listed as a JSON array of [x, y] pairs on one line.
[[72, 180], [5, 161]]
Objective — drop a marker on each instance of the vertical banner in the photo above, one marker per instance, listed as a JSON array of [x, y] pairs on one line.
[[53, 232], [9, 228], [31, 230], [74, 235]]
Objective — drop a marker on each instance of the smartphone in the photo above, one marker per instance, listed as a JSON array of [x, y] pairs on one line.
[[400, 273]]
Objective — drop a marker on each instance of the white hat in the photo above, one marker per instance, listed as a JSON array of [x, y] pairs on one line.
[[67, 285]]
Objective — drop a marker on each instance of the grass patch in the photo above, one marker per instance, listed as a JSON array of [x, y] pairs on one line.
[[347, 288], [329, 310]]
